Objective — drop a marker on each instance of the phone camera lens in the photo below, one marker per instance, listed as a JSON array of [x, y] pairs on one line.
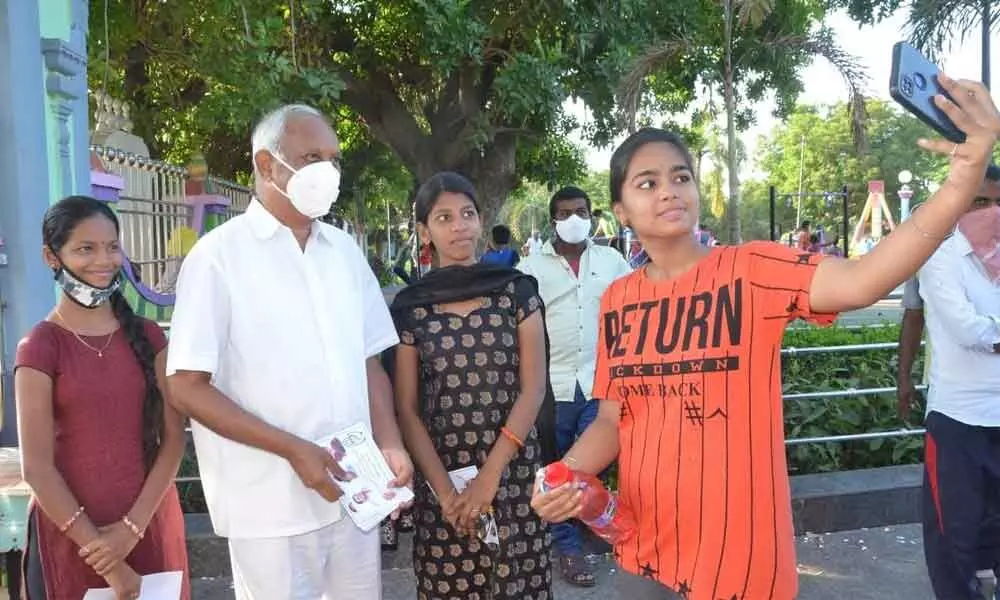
[[907, 86], [920, 81]]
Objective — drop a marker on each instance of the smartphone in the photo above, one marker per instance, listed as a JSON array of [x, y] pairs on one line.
[[914, 84]]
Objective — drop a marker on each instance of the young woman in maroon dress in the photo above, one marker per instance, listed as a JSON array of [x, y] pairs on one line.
[[100, 448]]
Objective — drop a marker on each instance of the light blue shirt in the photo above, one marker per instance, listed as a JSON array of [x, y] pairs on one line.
[[962, 307]]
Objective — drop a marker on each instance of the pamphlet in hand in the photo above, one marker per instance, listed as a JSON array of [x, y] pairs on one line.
[[365, 491], [158, 586], [460, 478]]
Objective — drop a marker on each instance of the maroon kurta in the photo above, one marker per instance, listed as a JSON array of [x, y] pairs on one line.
[[97, 412]]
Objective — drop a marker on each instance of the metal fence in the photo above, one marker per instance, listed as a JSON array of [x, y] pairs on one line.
[[239, 195], [847, 393], [817, 395], [155, 214]]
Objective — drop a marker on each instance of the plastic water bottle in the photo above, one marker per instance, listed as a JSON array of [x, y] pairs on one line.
[[601, 511]]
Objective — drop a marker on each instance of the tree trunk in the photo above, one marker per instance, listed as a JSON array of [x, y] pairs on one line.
[[987, 22], [732, 159], [491, 167], [492, 171]]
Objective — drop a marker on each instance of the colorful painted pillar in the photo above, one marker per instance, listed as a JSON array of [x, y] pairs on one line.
[[208, 209], [43, 157]]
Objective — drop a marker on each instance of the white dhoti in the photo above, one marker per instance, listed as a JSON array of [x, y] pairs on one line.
[[338, 562]]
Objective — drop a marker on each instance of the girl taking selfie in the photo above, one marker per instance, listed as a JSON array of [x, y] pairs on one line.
[[688, 367]]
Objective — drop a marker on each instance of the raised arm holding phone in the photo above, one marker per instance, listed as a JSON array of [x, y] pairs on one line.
[[688, 370]]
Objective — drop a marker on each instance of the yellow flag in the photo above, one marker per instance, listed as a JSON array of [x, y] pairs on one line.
[[718, 199]]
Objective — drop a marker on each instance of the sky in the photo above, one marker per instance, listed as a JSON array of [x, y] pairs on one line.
[[873, 48]]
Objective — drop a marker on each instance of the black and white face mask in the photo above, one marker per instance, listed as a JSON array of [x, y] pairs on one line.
[[83, 293]]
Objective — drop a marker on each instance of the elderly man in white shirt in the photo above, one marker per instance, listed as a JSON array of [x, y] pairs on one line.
[[959, 285], [572, 274], [273, 347]]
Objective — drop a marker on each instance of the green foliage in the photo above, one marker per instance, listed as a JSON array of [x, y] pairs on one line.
[[932, 25], [471, 85], [191, 495], [527, 210], [597, 185], [830, 162], [844, 415], [804, 418]]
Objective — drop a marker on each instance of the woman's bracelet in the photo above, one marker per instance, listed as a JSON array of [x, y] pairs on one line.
[[133, 527], [70, 521], [510, 436], [925, 234]]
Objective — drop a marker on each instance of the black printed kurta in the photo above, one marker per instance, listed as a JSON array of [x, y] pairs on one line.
[[469, 382]]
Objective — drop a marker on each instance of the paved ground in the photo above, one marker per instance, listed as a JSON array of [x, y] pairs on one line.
[[876, 564]]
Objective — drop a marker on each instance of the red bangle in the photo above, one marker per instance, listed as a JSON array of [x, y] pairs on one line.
[[510, 435]]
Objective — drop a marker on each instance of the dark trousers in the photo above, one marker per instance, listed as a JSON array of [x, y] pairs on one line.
[[572, 418], [961, 505]]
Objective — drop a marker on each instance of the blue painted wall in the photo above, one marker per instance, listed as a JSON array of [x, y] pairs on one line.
[[42, 81]]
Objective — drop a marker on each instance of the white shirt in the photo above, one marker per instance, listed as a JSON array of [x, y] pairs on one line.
[[961, 314], [572, 307], [285, 335]]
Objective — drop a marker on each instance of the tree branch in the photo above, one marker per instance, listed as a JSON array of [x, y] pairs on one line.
[[387, 116], [854, 75], [630, 88]]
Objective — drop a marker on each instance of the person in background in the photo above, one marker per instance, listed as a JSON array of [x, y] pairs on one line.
[[706, 237], [274, 347], [911, 332], [572, 273], [100, 447], [534, 243], [688, 375], [605, 227], [471, 383], [804, 239], [833, 248], [500, 252], [959, 285]]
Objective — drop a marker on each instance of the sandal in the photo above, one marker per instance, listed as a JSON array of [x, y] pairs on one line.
[[577, 571]]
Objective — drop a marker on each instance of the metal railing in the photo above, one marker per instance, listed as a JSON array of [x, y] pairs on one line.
[[847, 393], [817, 395], [151, 207], [156, 218], [239, 195]]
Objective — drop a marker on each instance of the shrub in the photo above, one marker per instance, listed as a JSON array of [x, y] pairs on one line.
[[844, 415], [803, 418]]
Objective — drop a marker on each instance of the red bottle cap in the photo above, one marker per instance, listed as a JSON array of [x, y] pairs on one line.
[[557, 474]]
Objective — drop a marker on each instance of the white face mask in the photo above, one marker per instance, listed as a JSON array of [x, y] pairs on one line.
[[313, 189], [573, 229]]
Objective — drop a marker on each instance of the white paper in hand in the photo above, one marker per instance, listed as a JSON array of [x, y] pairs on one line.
[[158, 586], [365, 494]]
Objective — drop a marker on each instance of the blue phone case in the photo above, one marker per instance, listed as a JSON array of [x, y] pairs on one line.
[[914, 84]]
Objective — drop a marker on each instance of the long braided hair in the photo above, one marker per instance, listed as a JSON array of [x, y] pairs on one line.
[[57, 226]]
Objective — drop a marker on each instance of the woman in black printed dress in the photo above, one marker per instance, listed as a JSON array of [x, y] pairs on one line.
[[470, 378]]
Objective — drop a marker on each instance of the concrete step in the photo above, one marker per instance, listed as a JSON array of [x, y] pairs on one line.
[[868, 564], [825, 502]]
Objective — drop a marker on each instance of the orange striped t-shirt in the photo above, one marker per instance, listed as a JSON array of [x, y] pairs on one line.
[[695, 364]]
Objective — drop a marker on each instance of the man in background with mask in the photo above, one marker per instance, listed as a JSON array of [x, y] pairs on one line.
[[274, 347], [572, 274], [960, 285]]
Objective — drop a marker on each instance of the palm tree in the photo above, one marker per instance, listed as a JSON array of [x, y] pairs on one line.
[[526, 210], [933, 25], [743, 18]]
